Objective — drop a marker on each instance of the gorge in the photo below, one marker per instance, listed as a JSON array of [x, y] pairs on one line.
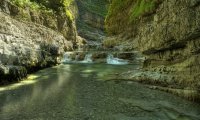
[[99, 59]]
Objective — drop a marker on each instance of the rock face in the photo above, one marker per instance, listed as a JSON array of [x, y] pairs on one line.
[[90, 20], [30, 40], [169, 37]]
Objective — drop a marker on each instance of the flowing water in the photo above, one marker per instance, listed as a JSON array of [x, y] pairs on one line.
[[115, 61], [67, 58], [88, 58], [80, 92]]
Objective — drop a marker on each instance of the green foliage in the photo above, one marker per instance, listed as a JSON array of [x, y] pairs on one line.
[[47, 6], [66, 4], [26, 3], [69, 14], [141, 7]]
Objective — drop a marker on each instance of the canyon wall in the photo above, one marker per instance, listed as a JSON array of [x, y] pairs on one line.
[[167, 33], [90, 22], [31, 39]]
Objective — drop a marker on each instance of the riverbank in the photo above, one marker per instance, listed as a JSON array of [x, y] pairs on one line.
[[159, 81]]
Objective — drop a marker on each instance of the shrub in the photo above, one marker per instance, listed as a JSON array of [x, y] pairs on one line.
[[26, 3]]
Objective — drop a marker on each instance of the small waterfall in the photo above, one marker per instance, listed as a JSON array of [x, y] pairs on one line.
[[66, 58], [77, 57], [69, 57], [88, 58], [115, 61]]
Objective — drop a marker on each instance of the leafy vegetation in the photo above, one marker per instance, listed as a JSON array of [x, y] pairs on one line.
[[67, 3], [26, 3], [46, 5]]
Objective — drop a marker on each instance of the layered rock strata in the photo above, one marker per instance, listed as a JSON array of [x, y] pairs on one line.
[[31, 40], [168, 36]]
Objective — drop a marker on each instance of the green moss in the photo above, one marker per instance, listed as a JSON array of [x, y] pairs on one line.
[[46, 6], [138, 7], [125, 12], [26, 3], [141, 7], [69, 14], [67, 3]]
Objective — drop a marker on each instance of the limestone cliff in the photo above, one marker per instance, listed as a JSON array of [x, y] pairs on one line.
[[31, 39], [167, 32], [90, 20]]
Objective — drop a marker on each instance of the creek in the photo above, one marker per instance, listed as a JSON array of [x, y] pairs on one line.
[[89, 92]]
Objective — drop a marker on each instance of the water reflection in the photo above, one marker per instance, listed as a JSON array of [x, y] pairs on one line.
[[78, 92]]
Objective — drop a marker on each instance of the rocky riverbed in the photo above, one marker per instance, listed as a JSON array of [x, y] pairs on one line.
[[80, 92]]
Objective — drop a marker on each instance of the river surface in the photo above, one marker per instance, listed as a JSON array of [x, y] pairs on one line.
[[80, 92]]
